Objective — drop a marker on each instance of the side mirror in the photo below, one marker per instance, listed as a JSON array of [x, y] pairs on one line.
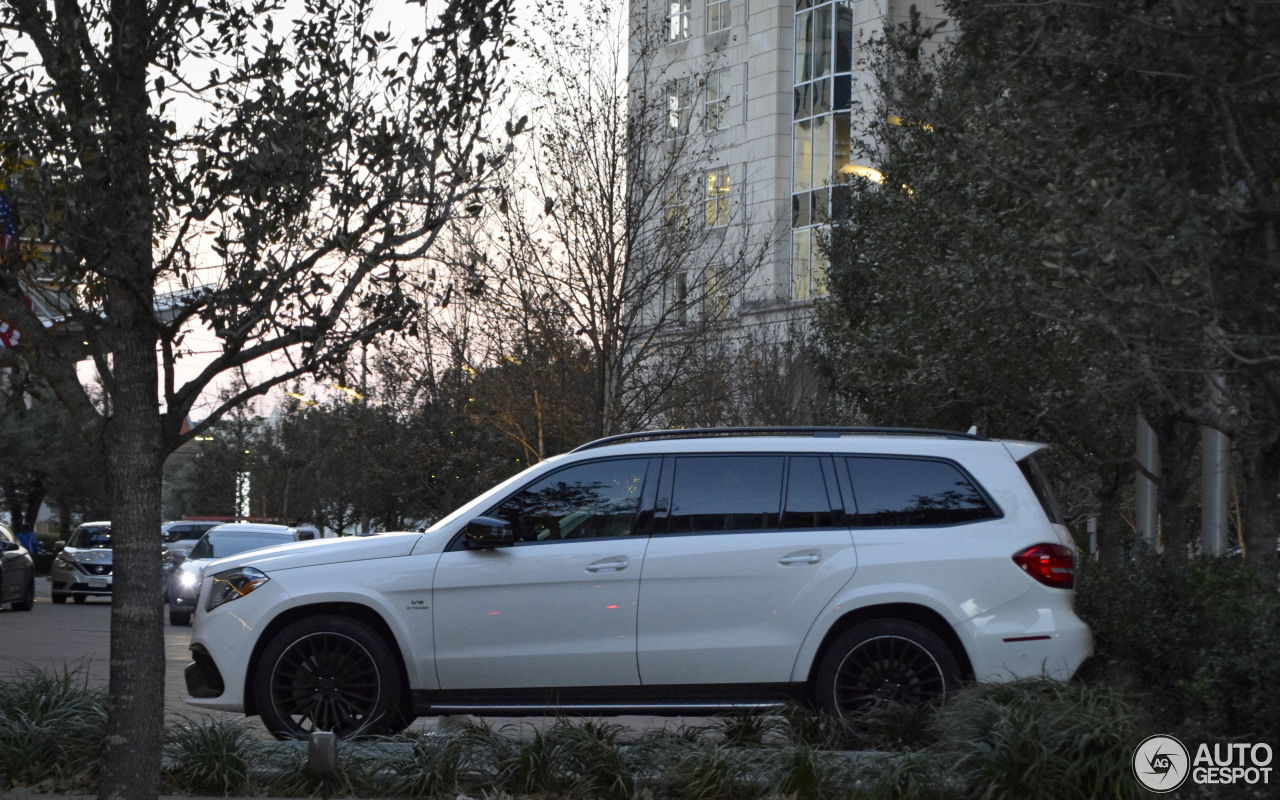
[[59, 545], [8, 547], [486, 533]]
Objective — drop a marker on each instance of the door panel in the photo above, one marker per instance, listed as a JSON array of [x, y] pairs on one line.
[[544, 614]]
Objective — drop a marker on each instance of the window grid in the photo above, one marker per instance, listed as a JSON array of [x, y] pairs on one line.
[[716, 202], [678, 20], [717, 15], [716, 107], [679, 107], [822, 150]]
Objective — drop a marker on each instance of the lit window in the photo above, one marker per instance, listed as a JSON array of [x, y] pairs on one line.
[[716, 203], [716, 109], [678, 20], [717, 15], [679, 107]]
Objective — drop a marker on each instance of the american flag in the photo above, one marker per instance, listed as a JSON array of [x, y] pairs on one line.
[[8, 228], [8, 246]]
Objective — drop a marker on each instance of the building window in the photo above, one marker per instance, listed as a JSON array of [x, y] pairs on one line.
[[678, 20], [676, 206], [717, 15], [677, 298], [715, 300], [716, 202], [679, 107], [823, 144], [716, 109]]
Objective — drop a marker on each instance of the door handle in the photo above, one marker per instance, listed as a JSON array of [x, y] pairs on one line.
[[806, 558], [617, 565]]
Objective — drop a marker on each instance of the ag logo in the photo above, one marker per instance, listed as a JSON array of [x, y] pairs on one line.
[[1161, 763]]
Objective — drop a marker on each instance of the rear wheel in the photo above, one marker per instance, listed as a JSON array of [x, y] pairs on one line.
[[329, 673], [884, 662]]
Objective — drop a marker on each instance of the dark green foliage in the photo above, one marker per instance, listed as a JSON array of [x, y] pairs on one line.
[[51, 730], [210, 757], [1200, 640], [1078, 220]]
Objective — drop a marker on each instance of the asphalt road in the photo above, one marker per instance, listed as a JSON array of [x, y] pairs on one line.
[[77, 636]]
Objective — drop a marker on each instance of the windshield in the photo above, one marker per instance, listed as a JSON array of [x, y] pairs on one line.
[[88, 536], [220, 544]]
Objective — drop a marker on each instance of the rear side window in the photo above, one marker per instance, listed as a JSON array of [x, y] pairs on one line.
[[892, 492], [725, 493], [1044, 492]]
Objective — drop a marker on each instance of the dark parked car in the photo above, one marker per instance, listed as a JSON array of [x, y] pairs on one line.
[[17, 573]]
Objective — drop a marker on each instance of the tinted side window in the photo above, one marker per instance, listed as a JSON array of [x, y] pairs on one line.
[[725, 493], [809, 496], [913, 491], [585, 501]]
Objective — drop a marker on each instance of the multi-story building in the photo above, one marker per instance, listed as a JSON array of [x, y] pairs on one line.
[[776, 86]]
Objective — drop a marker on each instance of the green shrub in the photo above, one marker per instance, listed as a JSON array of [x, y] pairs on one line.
[[1200, 638], [211, 757], [51, 730], [1041, 739]]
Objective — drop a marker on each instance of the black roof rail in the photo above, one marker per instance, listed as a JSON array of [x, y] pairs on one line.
[[816, 432]]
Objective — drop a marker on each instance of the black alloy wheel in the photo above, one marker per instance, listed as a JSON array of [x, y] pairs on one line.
[[329, 673], [881, 663]]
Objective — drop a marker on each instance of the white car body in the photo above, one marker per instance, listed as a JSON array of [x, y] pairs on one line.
[[645, 615]]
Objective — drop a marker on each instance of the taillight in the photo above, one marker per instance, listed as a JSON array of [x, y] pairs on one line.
[[1051, 564]]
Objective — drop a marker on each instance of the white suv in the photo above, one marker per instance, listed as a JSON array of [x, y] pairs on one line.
[[663, 572]]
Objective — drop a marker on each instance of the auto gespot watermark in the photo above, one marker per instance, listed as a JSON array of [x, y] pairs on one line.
[[1161, 763]]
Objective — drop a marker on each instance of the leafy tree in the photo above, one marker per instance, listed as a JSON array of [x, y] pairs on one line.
[[45, 460], [1075, 223], [271, 181]]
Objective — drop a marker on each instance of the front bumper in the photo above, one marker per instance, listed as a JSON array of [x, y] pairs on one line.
[[222, 644]]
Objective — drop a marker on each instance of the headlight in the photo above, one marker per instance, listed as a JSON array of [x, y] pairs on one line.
[[234, 584], [62, 563], [187, 579]]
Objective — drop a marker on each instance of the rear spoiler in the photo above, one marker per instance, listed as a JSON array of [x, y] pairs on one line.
[[1022, 450]]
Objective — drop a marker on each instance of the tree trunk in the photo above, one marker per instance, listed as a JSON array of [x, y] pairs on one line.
[[135, 726], [1260, 470]]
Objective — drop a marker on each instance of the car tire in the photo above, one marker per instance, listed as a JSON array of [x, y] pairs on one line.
[[28, 600], [178, 616], [59, 598], [80, 598], [330, 673], [884, 662]]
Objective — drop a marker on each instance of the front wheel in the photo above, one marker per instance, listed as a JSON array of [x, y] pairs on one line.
[[28, 600], [884, 662], [178, 616], [329, 673]]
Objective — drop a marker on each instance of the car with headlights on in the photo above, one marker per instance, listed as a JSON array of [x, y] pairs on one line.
[[82, 568], [664, 572], [220, 542], [17, 573]]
